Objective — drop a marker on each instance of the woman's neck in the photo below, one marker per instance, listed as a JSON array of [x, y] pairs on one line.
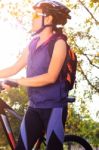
[[46, 33]]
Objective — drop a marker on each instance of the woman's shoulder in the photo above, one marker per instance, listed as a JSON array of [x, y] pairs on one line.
[[61, 35]]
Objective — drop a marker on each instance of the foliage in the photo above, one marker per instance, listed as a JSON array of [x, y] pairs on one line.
[[83, 126], [85, 44], [94, 1]]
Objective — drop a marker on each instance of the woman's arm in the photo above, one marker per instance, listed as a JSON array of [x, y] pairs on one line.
[[57, 61], [16, 67]]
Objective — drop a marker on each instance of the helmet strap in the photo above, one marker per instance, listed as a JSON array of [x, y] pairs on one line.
[[42, 27]]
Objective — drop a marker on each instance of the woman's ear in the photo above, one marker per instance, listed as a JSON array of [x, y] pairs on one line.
[[49, 19]]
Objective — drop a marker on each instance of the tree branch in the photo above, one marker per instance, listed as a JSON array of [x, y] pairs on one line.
[[90, 61], [85, 76], [95, 56], [96, 21]]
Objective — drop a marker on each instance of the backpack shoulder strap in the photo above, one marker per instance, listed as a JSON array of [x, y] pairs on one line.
[[53, 40]]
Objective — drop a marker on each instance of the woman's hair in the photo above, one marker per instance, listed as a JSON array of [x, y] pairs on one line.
[[58, 19], [58, 30]]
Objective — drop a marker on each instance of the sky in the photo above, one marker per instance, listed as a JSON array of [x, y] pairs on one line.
[[14, 39]]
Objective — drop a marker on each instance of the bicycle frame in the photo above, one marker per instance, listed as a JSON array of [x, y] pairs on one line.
[[6, 124], [8, 131]]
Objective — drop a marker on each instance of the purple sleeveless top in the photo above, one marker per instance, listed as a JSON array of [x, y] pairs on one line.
[[48, 96]]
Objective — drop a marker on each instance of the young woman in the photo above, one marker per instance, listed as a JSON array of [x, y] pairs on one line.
[[46, 87]]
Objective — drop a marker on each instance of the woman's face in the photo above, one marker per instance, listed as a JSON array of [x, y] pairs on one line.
[[37, 20]]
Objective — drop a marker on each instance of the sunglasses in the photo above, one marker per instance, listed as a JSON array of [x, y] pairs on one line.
[[36, 15]]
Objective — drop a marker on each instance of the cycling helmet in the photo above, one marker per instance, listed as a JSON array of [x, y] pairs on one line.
[[59, 12]]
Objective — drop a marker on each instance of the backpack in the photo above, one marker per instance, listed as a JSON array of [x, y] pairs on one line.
[[70, 64]]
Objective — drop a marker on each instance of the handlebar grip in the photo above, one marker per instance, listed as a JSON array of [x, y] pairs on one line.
[[11, 83], [70, 99]]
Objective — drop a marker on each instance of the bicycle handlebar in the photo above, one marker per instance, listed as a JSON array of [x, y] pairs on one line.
[[70, 99], [11, 83]]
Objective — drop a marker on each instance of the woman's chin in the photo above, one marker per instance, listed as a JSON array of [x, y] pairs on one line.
[[34, 30]]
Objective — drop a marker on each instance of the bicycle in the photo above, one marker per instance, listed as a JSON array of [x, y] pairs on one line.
[[69, 140]]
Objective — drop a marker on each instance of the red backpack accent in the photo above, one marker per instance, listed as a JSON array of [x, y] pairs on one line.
[[69, 69]]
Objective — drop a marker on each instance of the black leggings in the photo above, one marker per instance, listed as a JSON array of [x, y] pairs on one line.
[[36, 121]]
